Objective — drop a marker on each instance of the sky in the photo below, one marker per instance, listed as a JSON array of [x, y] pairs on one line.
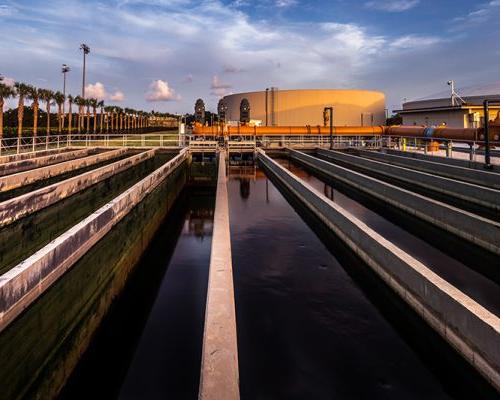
[[164, 54]]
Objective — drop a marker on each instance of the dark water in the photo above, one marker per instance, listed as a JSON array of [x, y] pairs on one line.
[[149, 346], [483, 290], [306, 328]]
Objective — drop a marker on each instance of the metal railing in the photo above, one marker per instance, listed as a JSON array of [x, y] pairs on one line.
[[29, 144], [336, 142]]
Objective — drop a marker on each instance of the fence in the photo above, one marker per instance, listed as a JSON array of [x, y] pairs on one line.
[[27, 144]]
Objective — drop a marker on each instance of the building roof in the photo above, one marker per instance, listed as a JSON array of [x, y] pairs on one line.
[[472, 95]]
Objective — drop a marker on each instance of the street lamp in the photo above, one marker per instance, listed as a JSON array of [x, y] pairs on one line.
[[64, 69], [86, 50], [330, 110]]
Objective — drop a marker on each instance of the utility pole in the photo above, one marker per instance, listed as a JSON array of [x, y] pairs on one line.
[[330, 110]]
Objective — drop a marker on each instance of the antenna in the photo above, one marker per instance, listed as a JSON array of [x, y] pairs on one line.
[[455, 95]]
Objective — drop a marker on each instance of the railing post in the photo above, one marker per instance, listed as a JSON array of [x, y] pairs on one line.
[[46, 142]]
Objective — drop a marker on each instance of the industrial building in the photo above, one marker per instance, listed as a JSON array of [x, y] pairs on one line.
[[464, 112], [273, 107]]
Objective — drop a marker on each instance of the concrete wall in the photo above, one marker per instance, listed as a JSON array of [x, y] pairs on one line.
[[42, 346], [477, 230], [33, 154], [452, 118], [21, 285], [37, 162], [478, 195], [305, 107], [10, 182], [468, 171], [19, 207], [471, 329]]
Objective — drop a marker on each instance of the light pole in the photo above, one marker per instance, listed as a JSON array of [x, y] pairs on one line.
[[86, 50], [330, 110], [64, 69]]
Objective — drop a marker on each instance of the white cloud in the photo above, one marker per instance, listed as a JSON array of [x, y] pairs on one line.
[[160, 91], [96, 91], [218, 87], [229, 69], [392, 5], [117, 96], [6, 10], [414, 42], [285, 3], [8, 81]]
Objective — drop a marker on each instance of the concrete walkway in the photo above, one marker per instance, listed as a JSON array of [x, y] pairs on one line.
[[219, 379]]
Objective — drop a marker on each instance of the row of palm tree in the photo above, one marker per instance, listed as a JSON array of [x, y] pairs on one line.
[[111, 118]]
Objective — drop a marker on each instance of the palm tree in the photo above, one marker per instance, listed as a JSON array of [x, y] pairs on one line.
[[47, 95], [127, 117], [59, 98], [93, 104], [5, 93], [88, 104], [71, 100], [80, 102], [100, 104], [34, 95], [109, 111], [23, 91]]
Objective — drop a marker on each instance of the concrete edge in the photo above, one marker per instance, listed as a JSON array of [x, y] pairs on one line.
[[19, 207], [454, 170], [33, 154], [469, 328], [14, 181], [470, 192], [476, 229], [219, 377], [450, 161], [23, 284], [37, 162]]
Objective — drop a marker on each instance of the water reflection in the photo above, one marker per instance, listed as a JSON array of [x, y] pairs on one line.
[[305, 329], [149, 345], [483, 290]]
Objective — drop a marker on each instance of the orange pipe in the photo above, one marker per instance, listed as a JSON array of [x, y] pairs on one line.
[[442, 132]]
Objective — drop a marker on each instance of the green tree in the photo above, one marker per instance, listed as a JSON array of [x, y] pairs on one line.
[[34, 95], [47, 96], [6, 92], [22, 90], [59, 99], [71, 100]]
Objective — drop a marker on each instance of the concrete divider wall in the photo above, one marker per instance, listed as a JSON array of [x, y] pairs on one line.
[[442, 160], [473, 228], [14, 181], [19, 207], [475, 194], [219, 378], [21, 285], [37, 162], [41, 347], [450, 167], [471, 329], [32, 154]]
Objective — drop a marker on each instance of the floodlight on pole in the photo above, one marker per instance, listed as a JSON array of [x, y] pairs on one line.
[[86, 50], [64, 69]]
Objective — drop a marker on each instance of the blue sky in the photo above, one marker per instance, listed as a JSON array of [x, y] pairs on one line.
[[163, 54]]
